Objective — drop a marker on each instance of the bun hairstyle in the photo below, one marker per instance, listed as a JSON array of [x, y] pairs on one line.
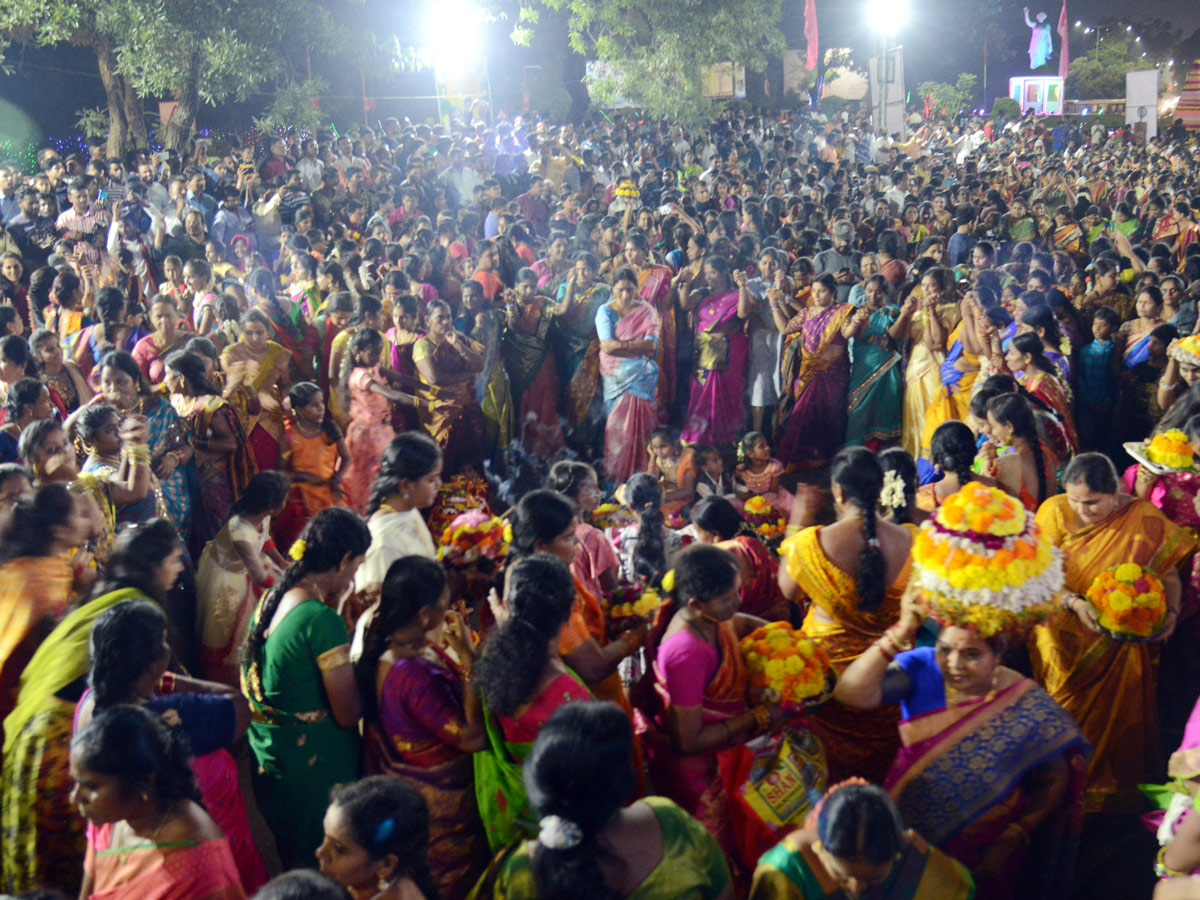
[[856, 470], [22, 393], [953, 449], [133, 745], [896, 460], [540, 594], [718, 516], [125, 641], [593, 738], [328, 538], [388, 817], [191, 367], [264, 492], [860, 823], [539, 517], [704, 572], [409, 456], [644, 496], [412, 583]]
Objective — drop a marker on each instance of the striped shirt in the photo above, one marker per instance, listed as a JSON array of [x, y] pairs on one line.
[[93, 225]]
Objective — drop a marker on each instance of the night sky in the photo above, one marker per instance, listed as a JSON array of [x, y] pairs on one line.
[[42, 97]]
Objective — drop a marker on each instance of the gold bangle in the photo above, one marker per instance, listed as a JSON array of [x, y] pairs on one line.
[[762, 717], [900, 646]]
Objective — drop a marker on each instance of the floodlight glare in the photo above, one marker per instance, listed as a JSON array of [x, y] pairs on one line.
[[887, 16], [453, 33]]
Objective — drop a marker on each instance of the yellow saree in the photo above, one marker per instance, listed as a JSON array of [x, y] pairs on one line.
[[1107, 686], [857, 742], [953, 398], [922, 376]]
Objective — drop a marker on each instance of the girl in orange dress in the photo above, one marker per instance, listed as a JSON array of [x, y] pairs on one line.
[[318, 460]]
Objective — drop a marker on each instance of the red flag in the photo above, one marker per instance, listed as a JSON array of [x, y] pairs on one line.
[[1064, 34], [810, 32]]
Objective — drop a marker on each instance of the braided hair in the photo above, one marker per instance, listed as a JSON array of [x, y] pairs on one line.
[[412, 583], [388, 816], [329, 537], [896, 459], [409, 456], [644, 496], [856, 470], [540, 594]]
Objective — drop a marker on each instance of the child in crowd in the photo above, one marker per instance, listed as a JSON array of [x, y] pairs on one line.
[[318, 461], [1097, 380], [758, 474]]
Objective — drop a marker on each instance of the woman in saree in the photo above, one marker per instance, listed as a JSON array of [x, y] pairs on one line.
[[236, 567], [1026, 361], [117, 453], [654, 288], [129, 651], [150, 835], [816, 376], [126, 390], [577, 348], [555, 268], [530, 364], [1067, 235], [700, 680], [1134, 336], [447, 363], [290, 329], [151, 352], [717, 521], [716, 403], [297, 676], [422, 715], [55, 372], [876, 389], [1107, 686], [224, 462], [614, 829], [44, 839], [854, 844], [522, 681], [853, 573], [932, 312], [980, 732], [256, 378], [628, 329]]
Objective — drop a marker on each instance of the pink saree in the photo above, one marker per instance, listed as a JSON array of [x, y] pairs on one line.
[[816, 427], [717, 407]]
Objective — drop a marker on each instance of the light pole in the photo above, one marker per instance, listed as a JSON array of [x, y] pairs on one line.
[[886, 17]]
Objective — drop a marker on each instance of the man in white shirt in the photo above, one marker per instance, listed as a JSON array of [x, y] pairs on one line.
[[459, 178]]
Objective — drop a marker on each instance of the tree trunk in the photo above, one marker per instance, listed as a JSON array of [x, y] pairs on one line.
[[175, 135], [135, 118], [106, 61]]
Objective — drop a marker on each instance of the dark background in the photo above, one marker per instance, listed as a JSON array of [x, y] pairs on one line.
[[41, 98]]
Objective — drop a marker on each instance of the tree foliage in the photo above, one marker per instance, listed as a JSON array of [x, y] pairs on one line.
[[1100, 73], [294, 107], [948, 100], [656, 54]]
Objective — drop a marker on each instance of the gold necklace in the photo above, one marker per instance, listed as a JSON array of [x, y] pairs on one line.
[[123, 853]]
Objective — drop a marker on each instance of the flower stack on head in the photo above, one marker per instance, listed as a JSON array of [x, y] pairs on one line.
[[763, 518], [786, 667], [982, 564], [1130, 601], [460, 494], [1186, 350], [628, 190], [474, 537], [1171, 448], [612, 515]]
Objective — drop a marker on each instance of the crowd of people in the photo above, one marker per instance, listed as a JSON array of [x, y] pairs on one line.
[[247, 391]]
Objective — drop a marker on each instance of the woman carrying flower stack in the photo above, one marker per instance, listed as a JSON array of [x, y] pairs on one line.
[[991, 767], [853, 573], [1107, 686]]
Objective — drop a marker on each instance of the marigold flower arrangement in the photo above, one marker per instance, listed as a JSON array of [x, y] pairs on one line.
[[786, 667], [1171, 448], [763, 518], [1186, 350], [629, 604], [472, 537], [1129, 599], [460, 494], [612, 515], [982, 564]]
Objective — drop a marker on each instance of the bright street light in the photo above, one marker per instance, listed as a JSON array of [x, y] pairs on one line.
[[1078, 23], [452, 31], [887, 16]]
